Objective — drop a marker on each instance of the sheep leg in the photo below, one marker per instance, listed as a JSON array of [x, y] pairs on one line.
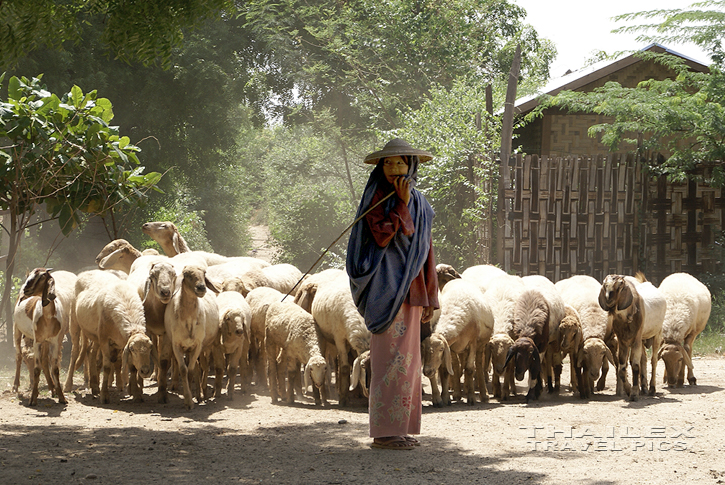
[[272, 373], [184, 371], [470, 369], [558, 359], [17, 337], [107, 373], [134, 389], [54, 351], [496, 385], [456, 381], [656, 343], [623, 386], [232, 362], [343, 377], [293, 377], [218, 359], [260, 364], [690, 374], [445, 390], [602, 379], [635, 361], [481, 375], [163, 369], [435, 391]]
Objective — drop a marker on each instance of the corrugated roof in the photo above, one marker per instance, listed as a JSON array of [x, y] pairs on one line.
[[582, 77]]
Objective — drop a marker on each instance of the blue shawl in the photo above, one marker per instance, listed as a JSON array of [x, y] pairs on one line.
[[380, 278]]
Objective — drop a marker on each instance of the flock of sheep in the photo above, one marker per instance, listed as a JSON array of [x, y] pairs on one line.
[[143, 315]]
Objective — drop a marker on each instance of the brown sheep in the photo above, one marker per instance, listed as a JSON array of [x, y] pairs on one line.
[[167, 235], [570, 343], [620, 299], [531, 330]]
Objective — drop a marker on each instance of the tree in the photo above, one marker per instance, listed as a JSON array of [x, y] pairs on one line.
[[63, 154], [143, 31], [683, 115]]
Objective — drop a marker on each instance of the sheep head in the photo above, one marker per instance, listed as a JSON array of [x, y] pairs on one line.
[[162, 281], [570, 330], [232, 325], [194, 279], [498, 347], [316, 371], [118, 254], [674, 356], [446, 273], [167, 235], [140, 354], [40, 283], [616, 293], [526, 357], [360, 368], [305, 295], [236, 283], [592, 356], [436, 352]]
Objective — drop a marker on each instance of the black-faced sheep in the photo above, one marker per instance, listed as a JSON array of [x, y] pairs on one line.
[[446, 273], [552, 358], [531, 331], [292, 338], [688, 309], [42, 313], [465, 323]]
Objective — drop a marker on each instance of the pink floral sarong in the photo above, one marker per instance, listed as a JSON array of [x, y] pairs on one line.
[[395, 405]]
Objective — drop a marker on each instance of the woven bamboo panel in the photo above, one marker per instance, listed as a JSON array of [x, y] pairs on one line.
[[566, 216], [600, 215]]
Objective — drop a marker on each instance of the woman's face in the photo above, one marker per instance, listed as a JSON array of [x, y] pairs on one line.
[[394, 167]]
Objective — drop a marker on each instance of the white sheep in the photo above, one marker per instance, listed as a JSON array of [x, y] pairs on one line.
[[259, 300], [327, 296], [655, 308], [235, 319], [361, 372], [109, 312], [599, 342], [481, 275], [501, 295], [192, 326], [119, 254], [167, 235], [237, 268], [292, 338], [688, 308], [42, 313], [552, 358], [464, 328]]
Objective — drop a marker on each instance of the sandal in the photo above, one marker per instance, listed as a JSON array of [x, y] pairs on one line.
[[392, 443], [413, 441]]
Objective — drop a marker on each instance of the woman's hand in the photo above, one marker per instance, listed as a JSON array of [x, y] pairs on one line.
[[402, 189], [427, 314]]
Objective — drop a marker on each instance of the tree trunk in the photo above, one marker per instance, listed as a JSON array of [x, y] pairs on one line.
[[5, 303]]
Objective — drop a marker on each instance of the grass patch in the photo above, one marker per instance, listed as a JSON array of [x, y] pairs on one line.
[[709, 342]]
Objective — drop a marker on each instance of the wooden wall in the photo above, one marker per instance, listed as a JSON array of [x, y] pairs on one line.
[[602, 214]]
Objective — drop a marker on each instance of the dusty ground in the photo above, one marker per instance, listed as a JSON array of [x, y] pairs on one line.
[[676, 436]]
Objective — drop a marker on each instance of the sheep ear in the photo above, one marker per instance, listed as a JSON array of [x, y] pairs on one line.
[[155, 356], [48, 291], [211, 286], [175, 242], [509, 356], [447, 357], [111, 259], [603, 299], [356, 368], [308, 376], [535, 369], [124, 360], [580, 359], [609, 355], [625, 298], [686, 356], [146, 288]]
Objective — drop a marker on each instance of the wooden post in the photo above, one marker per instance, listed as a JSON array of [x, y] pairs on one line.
[[506, 143]]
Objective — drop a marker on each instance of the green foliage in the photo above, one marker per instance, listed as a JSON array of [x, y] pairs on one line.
[[683, 116], [453, 181], [144, 31], [62, 152]]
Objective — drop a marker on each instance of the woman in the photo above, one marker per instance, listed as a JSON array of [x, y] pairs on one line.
[[392, 273]]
